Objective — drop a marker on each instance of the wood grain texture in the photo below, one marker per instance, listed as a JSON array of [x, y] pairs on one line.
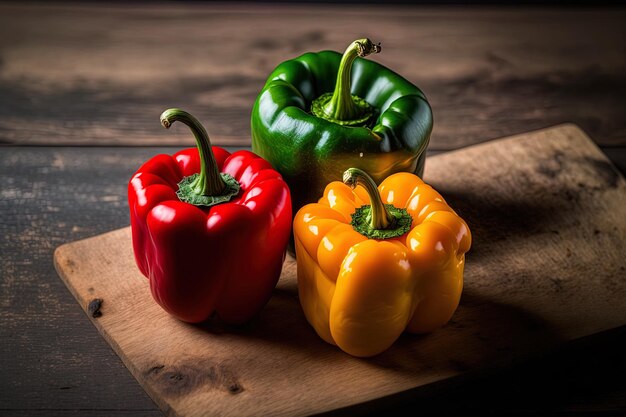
[[51, 361], [55, 363], [98, 74], [533, 282]]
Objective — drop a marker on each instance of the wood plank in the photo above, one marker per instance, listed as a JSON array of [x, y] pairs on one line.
[[101, 74], [52, 362], [533, 282], [55, 363]]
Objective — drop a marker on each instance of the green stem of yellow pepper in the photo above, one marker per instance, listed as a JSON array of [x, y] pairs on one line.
[[341, 106], [380, 218], [377, 220]]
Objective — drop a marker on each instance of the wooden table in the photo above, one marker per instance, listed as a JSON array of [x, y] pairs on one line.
[[81, 88]]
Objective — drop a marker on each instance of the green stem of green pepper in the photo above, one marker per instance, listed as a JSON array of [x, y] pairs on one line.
[[209, 187], [377, 220], [341, 106]]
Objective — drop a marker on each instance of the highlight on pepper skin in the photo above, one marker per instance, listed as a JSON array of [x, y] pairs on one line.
[[361, 293]]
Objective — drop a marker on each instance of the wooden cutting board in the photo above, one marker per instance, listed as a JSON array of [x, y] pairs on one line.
[[547, 266]]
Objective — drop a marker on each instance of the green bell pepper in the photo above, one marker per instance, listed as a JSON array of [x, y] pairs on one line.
[[322, 113]]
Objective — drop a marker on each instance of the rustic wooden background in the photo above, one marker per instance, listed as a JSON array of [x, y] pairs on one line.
[[85, 75], [81, 89]]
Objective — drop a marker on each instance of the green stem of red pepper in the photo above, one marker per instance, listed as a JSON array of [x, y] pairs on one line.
[[341, 106], [210, 186], [377, 220]]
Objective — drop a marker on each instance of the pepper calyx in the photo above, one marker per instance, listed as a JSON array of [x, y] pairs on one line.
[[400, 222], [187, 191], [376, 220], [364, 110], [341, 106]]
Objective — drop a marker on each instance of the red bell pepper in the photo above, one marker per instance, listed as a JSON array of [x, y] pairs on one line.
[[210, 228]]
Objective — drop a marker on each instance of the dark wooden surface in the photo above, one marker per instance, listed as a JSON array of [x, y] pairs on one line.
[[80, 75], [84, 75]]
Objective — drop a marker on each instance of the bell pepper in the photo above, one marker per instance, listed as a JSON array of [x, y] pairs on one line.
[[374, 262], [209, 228], [321, 113]]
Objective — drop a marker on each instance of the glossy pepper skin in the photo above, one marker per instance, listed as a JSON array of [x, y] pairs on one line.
[[362, 293], [311, 151], [224, 259]]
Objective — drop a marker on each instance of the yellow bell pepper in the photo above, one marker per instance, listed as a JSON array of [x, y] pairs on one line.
[[374, 262]]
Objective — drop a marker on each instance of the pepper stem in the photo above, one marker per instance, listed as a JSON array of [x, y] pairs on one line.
[[380, 218], [209, 182], [377, 220], [341, 106], [210, 186]]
